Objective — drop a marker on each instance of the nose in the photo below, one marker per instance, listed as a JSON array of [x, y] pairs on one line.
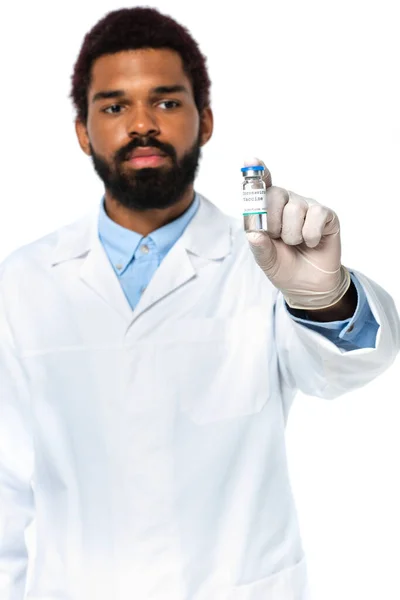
[[142, 122]]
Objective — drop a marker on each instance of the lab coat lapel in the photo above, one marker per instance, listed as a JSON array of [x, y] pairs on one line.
[[207, 237], [80, 242], [97, 273], [174, 271]]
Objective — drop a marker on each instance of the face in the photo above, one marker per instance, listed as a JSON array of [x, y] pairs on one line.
[[141, 102]]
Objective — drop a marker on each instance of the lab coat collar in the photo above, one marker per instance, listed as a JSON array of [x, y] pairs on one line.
[[208, 235]]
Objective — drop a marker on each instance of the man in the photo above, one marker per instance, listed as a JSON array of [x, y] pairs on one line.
[[150, 353]]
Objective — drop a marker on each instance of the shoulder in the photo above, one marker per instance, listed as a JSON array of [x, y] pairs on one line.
[[37, 254]]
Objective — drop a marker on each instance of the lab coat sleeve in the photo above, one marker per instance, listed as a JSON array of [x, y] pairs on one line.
[[313, 364], [16, 467]]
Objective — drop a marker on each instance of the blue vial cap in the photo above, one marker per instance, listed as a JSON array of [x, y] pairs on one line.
[[256, 168]]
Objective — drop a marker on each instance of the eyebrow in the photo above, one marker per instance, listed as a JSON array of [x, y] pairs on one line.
[[161, 89]]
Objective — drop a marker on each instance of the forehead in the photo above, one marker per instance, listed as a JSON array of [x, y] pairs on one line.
[[137, 68]]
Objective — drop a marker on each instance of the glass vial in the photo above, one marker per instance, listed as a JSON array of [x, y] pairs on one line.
[[254, 199]]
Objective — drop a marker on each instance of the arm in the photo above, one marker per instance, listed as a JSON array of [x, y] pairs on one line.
[[316, 366], [300, 254], [16, 466]]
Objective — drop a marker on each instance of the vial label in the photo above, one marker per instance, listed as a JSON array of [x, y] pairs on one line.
[[254, 202]]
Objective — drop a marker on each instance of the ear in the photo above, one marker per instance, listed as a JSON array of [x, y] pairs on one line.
[[82, 136], [206, 125]]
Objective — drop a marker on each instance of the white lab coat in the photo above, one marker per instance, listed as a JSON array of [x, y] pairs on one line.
[[154, 439]]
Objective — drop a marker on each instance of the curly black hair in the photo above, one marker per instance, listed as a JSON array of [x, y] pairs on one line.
[[131, 29]]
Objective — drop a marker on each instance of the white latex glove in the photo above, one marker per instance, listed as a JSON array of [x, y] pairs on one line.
[[300, 252]]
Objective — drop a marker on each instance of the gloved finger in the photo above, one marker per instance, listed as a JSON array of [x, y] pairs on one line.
[[320, 221], [293, 218], [277, 198], [252, 161]]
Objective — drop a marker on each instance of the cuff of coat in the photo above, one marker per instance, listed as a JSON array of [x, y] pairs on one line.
[[357, 332]]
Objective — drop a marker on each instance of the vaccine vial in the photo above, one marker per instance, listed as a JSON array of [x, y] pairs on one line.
[[254, 199]]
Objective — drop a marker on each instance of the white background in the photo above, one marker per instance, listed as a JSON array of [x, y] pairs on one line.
[[312, 88]]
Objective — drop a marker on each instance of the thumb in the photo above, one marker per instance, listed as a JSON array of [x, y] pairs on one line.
[[252, 161], [263, 249]]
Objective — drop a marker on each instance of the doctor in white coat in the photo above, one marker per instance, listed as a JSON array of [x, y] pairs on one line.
[[150, 352]]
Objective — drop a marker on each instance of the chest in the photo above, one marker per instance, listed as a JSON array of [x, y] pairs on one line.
[[204, 340]]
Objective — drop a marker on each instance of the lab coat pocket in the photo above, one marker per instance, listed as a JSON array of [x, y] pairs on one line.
[[221, 366], [288, 584]]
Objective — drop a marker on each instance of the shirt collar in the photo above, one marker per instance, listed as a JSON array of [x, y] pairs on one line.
[[122, 243]]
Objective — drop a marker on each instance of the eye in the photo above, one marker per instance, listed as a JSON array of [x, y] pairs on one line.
[[105, 110], [170, 102]]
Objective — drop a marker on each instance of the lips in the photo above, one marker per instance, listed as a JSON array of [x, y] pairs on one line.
[[148, 151]]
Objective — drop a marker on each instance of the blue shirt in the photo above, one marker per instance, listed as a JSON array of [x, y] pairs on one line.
[[135, 259]]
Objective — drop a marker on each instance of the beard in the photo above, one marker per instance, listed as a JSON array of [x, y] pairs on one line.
[[150, 187]]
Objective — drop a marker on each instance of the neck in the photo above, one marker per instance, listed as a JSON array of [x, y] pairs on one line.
[[144, 222]]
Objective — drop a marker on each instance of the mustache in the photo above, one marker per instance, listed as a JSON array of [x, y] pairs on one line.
[[146, 142]]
